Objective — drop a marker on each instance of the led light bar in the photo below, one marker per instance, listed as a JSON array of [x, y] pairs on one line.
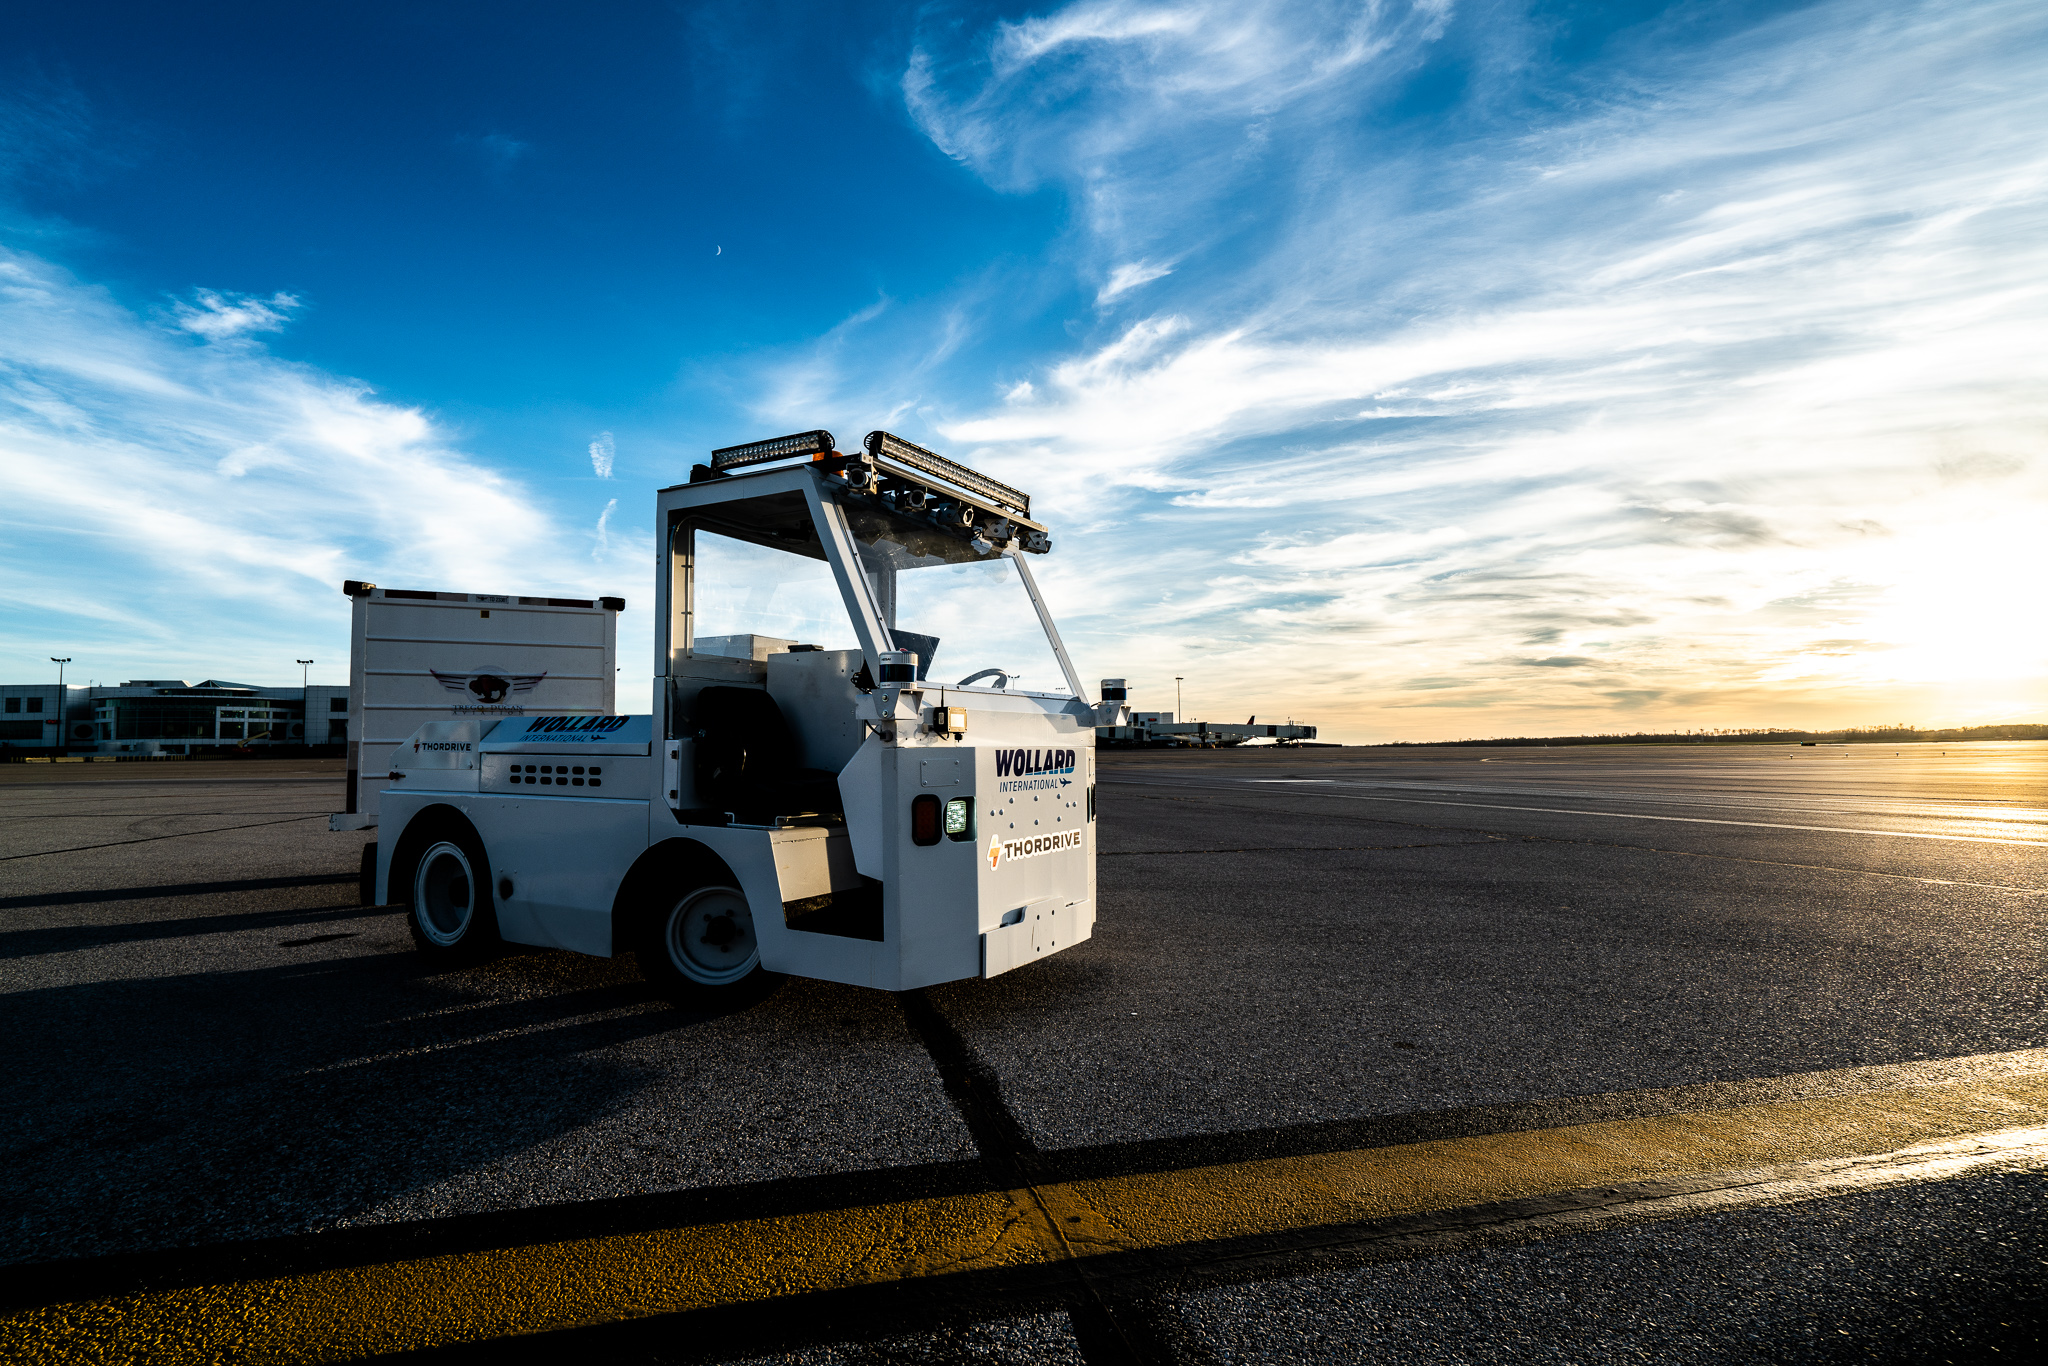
[[932, 463], [775, 448]]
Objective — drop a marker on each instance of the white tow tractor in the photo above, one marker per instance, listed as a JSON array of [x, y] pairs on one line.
[[807, 797]]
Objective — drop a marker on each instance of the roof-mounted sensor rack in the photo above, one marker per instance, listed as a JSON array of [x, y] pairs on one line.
[[889, 446], [906, 478], [775, 448]]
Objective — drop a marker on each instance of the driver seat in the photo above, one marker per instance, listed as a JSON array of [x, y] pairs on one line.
[[746, 760]]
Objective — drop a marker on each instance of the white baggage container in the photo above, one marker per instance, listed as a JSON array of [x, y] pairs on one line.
[[417, 657]]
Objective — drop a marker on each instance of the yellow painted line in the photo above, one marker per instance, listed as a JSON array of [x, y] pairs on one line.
[[478, 1296], [1240, 1199], [466, 1297]]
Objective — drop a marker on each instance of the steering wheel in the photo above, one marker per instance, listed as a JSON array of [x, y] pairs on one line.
[[1002, 679]]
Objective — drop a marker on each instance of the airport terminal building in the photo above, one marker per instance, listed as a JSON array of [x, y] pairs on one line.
[[169, 716]]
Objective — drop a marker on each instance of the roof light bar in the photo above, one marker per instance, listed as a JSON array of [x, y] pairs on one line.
[[775, 448], [932, 463]]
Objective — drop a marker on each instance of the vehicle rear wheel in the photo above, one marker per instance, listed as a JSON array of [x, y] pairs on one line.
[[450, 894], [700, 949]]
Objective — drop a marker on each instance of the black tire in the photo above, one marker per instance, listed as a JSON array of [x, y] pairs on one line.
[[698, 948], [366, 876], [447, 893]]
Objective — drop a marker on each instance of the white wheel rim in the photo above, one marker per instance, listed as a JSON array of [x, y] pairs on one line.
[[444, 893], [709, 936]]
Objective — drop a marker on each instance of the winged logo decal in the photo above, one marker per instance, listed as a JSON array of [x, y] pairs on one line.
[[488, 684]]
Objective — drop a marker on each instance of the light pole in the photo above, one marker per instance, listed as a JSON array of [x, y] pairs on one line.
[[1176, 699], [63, 740], [304, 664]]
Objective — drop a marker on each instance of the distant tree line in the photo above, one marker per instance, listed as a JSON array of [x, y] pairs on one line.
[[1767, 735]]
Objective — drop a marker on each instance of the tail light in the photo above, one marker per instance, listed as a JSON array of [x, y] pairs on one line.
[[924, 819]]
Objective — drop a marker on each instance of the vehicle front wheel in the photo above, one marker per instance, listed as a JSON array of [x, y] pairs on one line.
[[700, 949], [451, 915]]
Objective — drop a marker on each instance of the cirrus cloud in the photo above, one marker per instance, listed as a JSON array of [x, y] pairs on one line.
[[1693, 376], [219, 317], [156, 476]]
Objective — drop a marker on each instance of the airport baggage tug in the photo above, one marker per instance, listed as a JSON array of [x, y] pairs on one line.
[[787, 808]]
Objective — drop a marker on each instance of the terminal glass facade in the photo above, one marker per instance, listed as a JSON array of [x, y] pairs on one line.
[[205, 720], [169, 716], [150, 718]]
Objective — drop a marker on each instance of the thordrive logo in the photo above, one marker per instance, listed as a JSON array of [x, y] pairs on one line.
[[461, 746], [1001, 851], [1046, 765]]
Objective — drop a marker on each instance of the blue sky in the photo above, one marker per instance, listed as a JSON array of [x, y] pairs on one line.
[[1425, 370]]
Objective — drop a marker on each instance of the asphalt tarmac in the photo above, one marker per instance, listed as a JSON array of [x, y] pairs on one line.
[[1297, 952]]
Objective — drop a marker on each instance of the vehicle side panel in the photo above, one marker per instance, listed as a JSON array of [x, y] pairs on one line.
[[565, 858]]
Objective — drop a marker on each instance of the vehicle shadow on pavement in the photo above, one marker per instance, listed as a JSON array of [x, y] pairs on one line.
[[152, 893], [70, 938], [226, 1105]]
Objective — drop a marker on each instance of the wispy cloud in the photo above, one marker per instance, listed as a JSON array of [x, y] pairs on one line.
[[603, 539], [149, 481], [1128, 277], [498, 152], [795, 388], [603, 450], [1737, 358], [44, 128], [219, 317], [1153, 114]]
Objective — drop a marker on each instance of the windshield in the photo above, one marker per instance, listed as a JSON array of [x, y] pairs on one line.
[[957, 601], [945, 592], [752, 601], [963, 619]]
